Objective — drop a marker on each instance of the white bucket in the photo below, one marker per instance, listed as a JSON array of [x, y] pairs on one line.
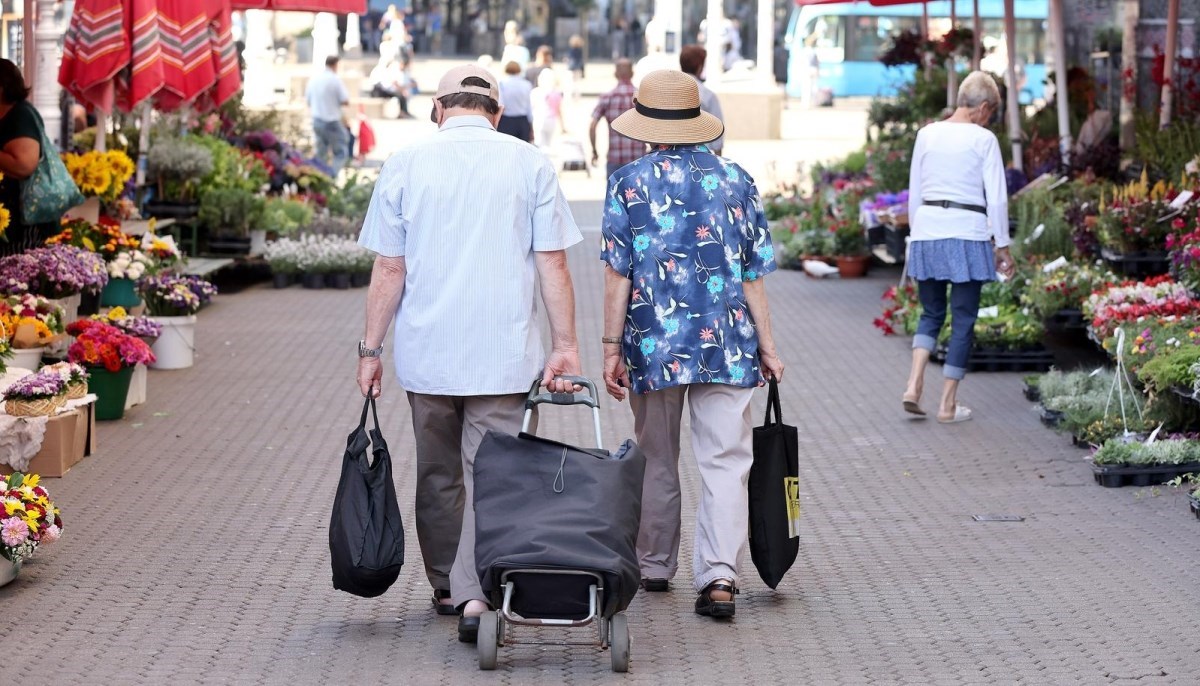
[[27, 358], [175, 348]]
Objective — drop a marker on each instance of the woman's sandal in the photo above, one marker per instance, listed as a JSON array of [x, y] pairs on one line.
[[446, 609], [707, 607], [912, 406], [962, 413]]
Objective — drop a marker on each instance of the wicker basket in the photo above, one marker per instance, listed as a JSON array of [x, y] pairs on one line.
[[77, 390], [42, 407]]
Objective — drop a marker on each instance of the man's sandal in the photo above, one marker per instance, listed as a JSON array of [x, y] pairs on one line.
[[707, 607]]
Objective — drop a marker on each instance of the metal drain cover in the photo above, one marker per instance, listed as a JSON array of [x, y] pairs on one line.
[[997, 518]]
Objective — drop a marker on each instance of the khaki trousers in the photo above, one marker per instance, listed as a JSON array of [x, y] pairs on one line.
[[448, 431], [722, 444]]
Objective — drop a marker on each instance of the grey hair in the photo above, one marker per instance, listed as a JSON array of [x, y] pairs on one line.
[[979, 87]]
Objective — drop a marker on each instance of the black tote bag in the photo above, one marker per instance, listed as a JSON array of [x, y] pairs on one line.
[[366, 535], [774, 494]]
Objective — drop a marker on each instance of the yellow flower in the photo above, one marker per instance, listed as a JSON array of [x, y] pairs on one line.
[[13, 506], [32, 480], [117, 313], [5, 219]]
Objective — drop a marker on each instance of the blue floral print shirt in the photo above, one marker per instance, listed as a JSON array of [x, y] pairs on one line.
[[687, 227]]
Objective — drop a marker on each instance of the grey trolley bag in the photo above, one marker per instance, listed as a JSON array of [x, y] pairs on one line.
[[555, 532]]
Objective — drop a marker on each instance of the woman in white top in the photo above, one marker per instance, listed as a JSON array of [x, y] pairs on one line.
[[958, 207]]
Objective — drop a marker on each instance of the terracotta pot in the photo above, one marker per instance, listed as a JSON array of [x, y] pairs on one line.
[[852, 266]]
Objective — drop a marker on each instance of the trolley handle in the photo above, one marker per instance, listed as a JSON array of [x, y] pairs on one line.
[[591, 399], [537, 397]]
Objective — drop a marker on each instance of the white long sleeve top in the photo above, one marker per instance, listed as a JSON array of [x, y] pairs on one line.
[[961, 163]]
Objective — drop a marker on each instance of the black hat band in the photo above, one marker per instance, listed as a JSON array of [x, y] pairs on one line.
[[656, 113]]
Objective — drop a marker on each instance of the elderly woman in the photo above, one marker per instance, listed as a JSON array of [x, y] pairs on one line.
[[686, 318], [958, 208], [20, 150]]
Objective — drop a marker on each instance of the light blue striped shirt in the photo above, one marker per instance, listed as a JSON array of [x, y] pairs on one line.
[[467, 208]]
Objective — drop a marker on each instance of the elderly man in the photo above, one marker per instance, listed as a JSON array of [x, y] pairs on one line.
[[465, 224], [686, 318], [618, 101]]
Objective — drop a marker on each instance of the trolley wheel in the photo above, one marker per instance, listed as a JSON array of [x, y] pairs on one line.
[[489, 638], [618, 641]]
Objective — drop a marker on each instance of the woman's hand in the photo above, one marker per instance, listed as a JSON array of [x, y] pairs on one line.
[[616, 376], [1004, 263], [770, 365]]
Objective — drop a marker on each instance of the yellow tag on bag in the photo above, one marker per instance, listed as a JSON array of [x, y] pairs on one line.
[[791, 487]]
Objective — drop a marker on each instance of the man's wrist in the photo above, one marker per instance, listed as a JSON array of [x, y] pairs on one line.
[[365, 352]]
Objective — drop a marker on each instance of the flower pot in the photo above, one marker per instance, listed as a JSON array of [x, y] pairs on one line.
[[77, 390], [360, 279], [310, 280], [27, 358], [340, 281], [89, 304], [852, 266], [281, 280], [120, 293], [258, 241], [8, 571], [70, 305], [111, 389], [40, 407], [176, 347]]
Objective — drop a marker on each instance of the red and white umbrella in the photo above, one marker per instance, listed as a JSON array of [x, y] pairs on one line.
[[334, 6]]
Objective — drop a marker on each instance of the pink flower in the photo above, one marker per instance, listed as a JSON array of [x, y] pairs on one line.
[[51, 534], [14, 532]]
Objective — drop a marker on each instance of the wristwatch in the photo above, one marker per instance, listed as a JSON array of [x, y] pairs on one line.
[[364, 351]]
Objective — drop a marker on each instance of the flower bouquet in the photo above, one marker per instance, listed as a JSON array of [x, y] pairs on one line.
[[104, 237], [73, 375], [144, 328], [30, 321], [168, 295], [100, 174], [56, 271], [163, 250], [27, 517], [37, 395], [109, 356], [129, 265]]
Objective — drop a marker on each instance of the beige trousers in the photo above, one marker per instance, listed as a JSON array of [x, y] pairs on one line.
[[722, 444], [448, 431]]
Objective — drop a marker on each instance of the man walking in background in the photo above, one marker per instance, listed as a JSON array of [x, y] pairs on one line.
[[691, 62], [326, 95], [466, 225], [621, 150]]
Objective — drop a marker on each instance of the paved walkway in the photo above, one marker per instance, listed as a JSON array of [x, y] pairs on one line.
[[196, 545]]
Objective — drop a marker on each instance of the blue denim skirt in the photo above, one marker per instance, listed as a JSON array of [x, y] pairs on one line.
[[951, 259]]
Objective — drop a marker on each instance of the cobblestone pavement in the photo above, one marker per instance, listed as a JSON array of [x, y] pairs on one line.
[[196, 547]]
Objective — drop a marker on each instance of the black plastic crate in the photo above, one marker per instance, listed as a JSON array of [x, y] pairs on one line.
[[1138, 264], [1066, 320], [1036, 359], [1150, 475]]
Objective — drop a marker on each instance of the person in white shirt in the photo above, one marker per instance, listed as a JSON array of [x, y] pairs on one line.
[[958, 208], [515, 98], [326, 95], [469, 227]]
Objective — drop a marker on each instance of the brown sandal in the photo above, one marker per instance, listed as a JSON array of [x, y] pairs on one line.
[[707, 607]]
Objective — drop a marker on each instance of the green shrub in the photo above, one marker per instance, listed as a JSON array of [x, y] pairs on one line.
[[286, 216], [230, 209], [1168, 452], [1170, 368]]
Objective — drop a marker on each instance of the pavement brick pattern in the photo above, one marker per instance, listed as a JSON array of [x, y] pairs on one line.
[[196, 539]]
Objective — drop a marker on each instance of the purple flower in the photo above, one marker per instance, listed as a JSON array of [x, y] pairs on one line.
[[44, 384], [56, 271]]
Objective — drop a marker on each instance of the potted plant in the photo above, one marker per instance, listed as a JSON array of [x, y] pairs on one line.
[[173, 301], [40, 394], [163, 252], [850, 248], [28, 519], [283, 257], [73, 375], [100, 175], [109, 356], [285, 216], [364, 262], [55, 271], [144, 328], [229, 214], [123, 272], [178, 164]]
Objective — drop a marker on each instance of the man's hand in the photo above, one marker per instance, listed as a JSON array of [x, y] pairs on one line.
[[770, 365], [616, 376], [561, 363], [370, 376], [595, 158]]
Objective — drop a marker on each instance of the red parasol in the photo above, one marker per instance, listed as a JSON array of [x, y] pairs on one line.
[[95, 49], [169, 52], [335, 6]]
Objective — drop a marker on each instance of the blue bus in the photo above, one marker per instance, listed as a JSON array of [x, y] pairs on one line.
[[841, 43]]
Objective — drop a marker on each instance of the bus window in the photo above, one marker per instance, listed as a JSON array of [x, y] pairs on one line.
[[871, 35], [826, 35]]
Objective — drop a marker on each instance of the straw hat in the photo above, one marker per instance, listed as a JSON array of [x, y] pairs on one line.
[[667, 110]]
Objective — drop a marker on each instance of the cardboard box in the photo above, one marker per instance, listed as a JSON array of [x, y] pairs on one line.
[[70, 437]]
